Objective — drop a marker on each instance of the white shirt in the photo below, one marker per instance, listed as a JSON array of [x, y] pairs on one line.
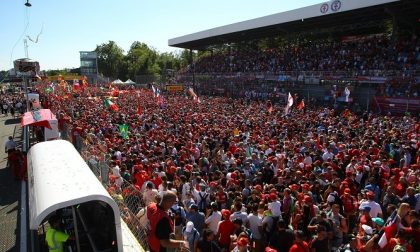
[[116, 172], [307, 160], [10, 144], [240, 215], [185, 189], [327, 155], [275, 208], [118, 155], [149, 196], [375, 208], [254, 222], [213, 221]]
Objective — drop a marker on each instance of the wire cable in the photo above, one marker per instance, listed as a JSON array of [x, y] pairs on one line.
[[26, 25]]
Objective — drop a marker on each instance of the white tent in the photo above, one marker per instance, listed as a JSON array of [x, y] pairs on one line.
[[129, 82], [117, 81]]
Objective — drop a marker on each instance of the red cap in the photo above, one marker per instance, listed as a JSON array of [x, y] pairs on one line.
[[225, 212], [347, 190], [307, 199], [294, 187], [370, 194], [243, 241], [268, 249], [306, 186], [273, 196]]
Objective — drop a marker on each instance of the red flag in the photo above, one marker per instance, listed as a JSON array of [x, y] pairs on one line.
[[390, 229], [301, 105], [111, 105]]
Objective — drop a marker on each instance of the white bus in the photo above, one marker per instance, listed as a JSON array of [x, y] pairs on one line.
[[61, 183]]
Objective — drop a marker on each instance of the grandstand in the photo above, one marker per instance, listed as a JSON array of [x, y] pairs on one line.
[[315, 52]]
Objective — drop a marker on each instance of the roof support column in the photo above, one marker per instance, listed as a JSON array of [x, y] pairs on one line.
[[192, 63]]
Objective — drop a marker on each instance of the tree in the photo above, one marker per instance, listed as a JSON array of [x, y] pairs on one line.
[[110, 59]]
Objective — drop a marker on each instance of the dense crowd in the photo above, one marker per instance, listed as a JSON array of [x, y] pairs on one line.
[[370, 56], [247, 179], [13, 104]]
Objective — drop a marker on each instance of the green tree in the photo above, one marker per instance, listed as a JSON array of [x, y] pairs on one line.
[[110, 59]]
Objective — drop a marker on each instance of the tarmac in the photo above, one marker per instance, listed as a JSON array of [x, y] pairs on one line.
[[10, 189]]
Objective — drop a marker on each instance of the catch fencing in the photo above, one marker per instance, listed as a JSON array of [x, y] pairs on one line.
[[126, 195]]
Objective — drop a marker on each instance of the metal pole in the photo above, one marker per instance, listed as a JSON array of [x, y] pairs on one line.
[[26, 84], [193, 69], [76, 232]]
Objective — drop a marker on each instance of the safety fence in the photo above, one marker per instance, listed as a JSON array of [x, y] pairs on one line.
[[126, 195]]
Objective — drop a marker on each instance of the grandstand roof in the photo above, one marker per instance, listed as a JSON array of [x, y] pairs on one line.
[[341, 14]]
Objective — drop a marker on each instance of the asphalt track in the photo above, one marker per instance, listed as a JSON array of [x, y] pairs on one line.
[[10, 189]]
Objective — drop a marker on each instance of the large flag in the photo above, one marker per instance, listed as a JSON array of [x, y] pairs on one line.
[[301, 105], [289, 103], [156, 92], [390, 229], [347, 93], [123, 130], [111, 105]]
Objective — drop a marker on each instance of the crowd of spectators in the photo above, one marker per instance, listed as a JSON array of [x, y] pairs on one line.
[[13, 104], [368, 56], [250, 180]]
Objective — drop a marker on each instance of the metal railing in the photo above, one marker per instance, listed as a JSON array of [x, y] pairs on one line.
[[126, 195]]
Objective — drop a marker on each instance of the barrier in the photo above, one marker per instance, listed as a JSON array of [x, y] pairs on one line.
[[127, 196]]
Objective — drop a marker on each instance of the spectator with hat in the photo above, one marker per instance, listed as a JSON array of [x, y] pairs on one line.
[[241, 245], [225, 230], [375, 208], [191, 235]]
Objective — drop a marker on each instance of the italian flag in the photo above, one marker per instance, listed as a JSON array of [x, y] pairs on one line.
[[110, 104]]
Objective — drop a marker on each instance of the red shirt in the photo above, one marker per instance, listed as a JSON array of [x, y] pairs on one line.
[[221, 197], [226, 229], [156, 181], [299, 247]]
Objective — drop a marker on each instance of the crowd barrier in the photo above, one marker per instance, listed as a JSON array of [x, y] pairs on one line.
[[128, 197]]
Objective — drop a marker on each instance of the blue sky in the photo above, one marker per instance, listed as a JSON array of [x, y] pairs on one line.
[[79, 25]]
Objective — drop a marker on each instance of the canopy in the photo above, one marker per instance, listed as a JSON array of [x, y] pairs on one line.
[[38, 118], [58, 177], [117, 81], [129, 82]]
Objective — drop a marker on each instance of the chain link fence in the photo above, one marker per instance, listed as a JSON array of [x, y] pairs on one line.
[[128, 197]]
